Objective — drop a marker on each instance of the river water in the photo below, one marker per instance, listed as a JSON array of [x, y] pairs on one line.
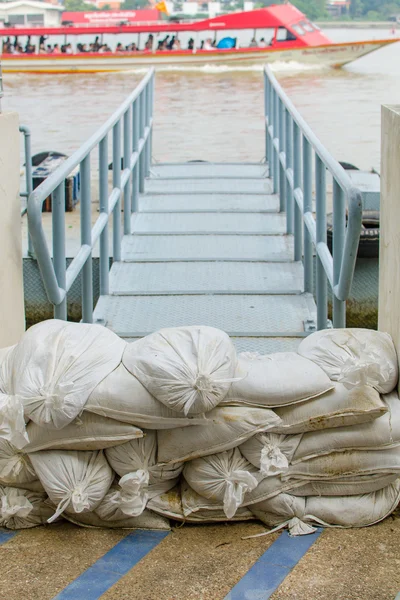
[[215, 112]]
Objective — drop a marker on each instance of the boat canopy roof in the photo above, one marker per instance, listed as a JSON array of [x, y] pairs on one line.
[[280, 15]]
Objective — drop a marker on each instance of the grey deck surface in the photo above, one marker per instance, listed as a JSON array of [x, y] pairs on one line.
[[209, 202], [206, 223], [209, 247]]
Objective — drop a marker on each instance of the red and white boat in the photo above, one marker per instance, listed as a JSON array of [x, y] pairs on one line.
[[287, 33]]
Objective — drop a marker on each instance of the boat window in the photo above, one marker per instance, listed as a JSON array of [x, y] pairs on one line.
[[298, 29], [16, 19], [284, 35], [307, 26], [35, 19]]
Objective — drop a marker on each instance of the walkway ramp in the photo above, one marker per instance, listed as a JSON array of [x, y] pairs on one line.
[[209, 247]]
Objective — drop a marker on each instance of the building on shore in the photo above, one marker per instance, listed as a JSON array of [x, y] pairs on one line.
[[30, 13]]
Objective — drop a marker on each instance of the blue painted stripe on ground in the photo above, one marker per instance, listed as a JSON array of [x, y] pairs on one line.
[[116, 563], [5, 536], [266, 575]]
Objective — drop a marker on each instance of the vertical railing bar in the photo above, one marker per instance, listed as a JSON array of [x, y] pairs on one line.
[[289, 165], [148, 100], [116, 145], [28, 177], [282, 177], [127, 159], [339, 232], [135, 146], [142, 164], [276, 137], [307, 207], [270, 137], [86, 239], [103, 194], [321, 283], [59, 259], [298, 218], [266, 114]]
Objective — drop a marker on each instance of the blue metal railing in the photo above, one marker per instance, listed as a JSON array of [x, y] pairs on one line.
[[290, 145], [135, 118]]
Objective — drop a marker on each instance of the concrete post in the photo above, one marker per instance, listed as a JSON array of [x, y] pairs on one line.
[[12, 314], [389, 248]]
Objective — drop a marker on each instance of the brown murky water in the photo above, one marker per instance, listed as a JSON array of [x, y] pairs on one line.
[[215, 113]]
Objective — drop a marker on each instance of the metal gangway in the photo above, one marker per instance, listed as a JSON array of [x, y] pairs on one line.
[[227, 245]]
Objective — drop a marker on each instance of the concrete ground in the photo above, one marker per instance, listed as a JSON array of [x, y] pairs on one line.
[[204, 562]]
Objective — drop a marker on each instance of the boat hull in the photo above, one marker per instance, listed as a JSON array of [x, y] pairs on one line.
[[334, 55]]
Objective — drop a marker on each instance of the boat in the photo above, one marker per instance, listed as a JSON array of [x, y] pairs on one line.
[[286, 33]]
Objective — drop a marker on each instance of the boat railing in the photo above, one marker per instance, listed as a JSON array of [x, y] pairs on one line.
[[131, 129], [291, 147]]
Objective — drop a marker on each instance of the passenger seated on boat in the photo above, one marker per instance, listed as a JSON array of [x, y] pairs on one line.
[[68, 49], [253, 43], [119, 48], [96, 44], [191, 44], [49, 49], [171, 43], [149, 44], [42, 49], [176, 45], [262, 43], [56, 49], [208, 44]]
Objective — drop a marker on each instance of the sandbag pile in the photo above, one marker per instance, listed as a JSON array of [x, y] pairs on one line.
[[178, 426]]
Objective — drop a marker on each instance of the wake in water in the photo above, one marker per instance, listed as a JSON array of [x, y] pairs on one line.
[[277, 67]]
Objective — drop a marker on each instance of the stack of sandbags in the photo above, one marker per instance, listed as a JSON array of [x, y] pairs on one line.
[[177, 426]]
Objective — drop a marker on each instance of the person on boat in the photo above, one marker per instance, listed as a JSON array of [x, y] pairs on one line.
[[191, 44], [171, 43], [176, 45], [253, 43], [208, 44], [262, 43], [68, 49], [149, 43], [56, 49], [119, 48], [96, 44], [42, 49]]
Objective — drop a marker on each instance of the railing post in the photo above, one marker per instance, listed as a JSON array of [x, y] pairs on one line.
[[142, 161], [59, 263], [266, 114], [28, 177], [321, 283], [148, 117], [282, 151], [86, 239], [339, 230], [127, 160], [289, 165], [298, 217], [307, 207], [270, 137], [117, 184], [135, 147], [103, 193], [275, 138]]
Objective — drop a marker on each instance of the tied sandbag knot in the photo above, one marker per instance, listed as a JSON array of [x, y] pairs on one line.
[[12, 421], [133, 496], [238, 483], [273, 461], [14, 505]]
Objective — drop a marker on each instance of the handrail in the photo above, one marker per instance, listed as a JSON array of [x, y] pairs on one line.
[[289, 146], [135, 115]]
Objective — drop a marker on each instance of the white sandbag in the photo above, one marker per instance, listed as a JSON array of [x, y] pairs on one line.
[[189, 369], [171, 505], [381, 433], [348, 486], [86, 432], [223, 477], [346, 464], [271, 453], [275, 379], [4, 352], [227, 427], [337, 408], [116, 519], [141, 477], [74, 481], [15, 467], [122, 397], [338, 511], [12, 421], [56, 366], [354, 357], [21, 509]]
